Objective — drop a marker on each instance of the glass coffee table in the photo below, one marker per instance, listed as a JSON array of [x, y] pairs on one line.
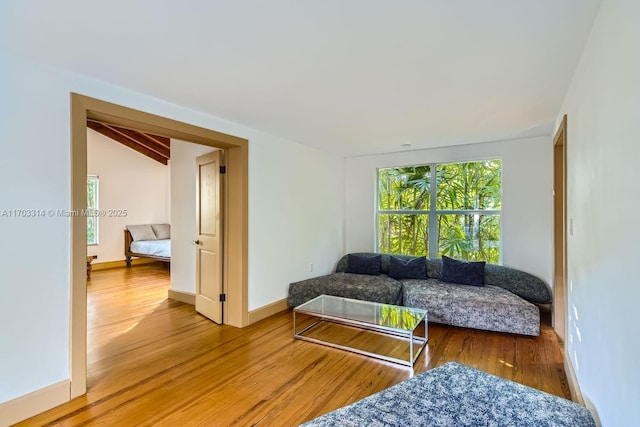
[[389, 332]]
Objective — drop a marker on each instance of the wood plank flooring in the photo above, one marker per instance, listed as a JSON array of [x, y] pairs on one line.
[[154, 361]]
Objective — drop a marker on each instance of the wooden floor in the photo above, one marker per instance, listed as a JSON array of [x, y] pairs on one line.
[[154, 361]]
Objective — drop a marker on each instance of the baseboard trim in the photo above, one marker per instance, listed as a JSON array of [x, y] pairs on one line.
[[254, 315], [120, 263], [29, 405], [574, 387], [182, 296], [268, 310]]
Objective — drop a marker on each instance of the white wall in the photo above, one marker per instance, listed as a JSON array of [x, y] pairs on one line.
[[183, 213], [127, 180], [296, 217], [296, 203], [526, 197], [603, 108]]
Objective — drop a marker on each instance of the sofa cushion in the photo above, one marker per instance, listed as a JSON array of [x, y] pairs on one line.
[[408, 268], [364, 287], [462, 272], [363, 264]]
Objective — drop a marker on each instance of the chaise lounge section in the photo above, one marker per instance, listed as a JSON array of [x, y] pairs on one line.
[[505, 303], [502, 300]]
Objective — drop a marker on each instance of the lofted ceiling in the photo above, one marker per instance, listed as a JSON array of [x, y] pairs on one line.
[[352, 77], [155, 147]]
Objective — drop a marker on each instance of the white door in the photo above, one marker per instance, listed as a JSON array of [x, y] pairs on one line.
[[209, 294]]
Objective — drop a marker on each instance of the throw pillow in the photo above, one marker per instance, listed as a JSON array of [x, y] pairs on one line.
[[407, 268], [462, 272], [141, 232], [363, 264], [162, 231]]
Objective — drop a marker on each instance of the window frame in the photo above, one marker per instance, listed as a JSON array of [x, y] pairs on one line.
[[432, 213]]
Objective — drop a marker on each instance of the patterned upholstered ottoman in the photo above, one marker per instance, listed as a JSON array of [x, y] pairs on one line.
[[457, 395]]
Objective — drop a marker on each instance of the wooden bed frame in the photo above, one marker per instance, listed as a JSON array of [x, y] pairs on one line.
[[128, 239]]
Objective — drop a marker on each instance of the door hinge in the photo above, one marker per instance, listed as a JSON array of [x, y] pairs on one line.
[[223, 297], [223, 169]]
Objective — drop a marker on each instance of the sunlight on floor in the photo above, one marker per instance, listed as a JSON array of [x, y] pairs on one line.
[[507, 364]]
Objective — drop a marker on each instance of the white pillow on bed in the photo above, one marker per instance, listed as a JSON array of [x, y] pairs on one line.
[[162, 231], [142, 232]]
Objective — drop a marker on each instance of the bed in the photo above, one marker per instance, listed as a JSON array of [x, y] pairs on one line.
[[147, 241]]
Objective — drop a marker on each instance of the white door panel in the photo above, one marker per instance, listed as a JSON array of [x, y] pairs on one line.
[[209, 242]]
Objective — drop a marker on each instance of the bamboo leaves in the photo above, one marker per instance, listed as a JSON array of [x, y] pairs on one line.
[[398, 317], [465, 222]]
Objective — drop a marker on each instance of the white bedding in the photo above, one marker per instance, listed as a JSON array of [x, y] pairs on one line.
[[152, 247]]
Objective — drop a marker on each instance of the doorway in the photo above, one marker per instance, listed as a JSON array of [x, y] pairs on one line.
[[235, 248], [560, 230]]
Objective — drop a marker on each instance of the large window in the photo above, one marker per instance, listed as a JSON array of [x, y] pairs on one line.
[[440, 209], [92, 205]]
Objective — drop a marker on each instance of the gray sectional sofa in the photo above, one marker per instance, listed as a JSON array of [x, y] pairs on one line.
[[508, 300]]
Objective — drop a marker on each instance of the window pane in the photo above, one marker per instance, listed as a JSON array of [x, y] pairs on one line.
[[473, 237], [405, 188], [403, 234], [92, 205], [469, 186]]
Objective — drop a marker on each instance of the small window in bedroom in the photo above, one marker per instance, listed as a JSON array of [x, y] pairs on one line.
[[92, 209], [440, 209]]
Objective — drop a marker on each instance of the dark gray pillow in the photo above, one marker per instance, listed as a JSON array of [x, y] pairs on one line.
[[363, 264], [407, 268], [462, 272]]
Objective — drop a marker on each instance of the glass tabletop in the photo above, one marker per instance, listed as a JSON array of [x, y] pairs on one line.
[[393, 317]]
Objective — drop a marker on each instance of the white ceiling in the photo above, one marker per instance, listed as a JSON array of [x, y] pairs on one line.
[[352, 77]]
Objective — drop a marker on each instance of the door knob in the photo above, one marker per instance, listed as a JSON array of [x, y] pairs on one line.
[[195, 242]]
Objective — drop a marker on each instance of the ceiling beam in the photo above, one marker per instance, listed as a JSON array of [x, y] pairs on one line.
[[161, 140], [141, 139], [124, 137]]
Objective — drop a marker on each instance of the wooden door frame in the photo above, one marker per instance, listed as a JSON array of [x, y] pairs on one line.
[[236, 228], [560, 230]]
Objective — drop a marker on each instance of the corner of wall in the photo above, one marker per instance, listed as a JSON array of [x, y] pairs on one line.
[[574, 386]]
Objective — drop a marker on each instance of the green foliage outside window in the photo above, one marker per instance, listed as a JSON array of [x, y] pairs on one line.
[[458, 217], [404, 189], [92, 205]]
